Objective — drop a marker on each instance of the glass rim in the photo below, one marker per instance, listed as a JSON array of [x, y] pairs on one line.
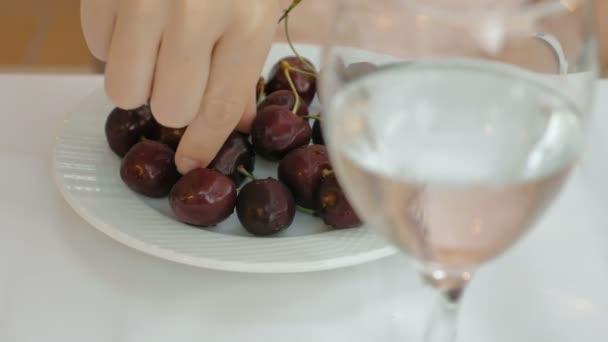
[[533, 10]]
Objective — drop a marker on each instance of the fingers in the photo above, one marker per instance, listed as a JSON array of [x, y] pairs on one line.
[[97, 18], [235, 68], [133, 51], [183, 61], [244, 124]]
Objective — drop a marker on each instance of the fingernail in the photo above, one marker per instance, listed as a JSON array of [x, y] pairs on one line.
[[185, 165]]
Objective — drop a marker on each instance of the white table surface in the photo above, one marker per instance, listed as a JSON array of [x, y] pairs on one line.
[[62, 280]]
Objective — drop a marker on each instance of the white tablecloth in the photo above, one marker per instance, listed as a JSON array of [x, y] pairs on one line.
[[61, 280]]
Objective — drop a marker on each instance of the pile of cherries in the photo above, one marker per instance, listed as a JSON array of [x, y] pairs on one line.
[[280, 132]]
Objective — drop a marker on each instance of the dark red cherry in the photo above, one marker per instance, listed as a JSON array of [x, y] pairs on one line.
[[236, 151], [301, 170], [149, 169], [306, 85], [284, 99], [317, 133], [170, 136], [203, 197], [265, 207], [276, 131], [125, 128], [333, 206], [359, 69]]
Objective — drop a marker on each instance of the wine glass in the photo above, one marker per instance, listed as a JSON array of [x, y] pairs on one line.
[[452, 124]]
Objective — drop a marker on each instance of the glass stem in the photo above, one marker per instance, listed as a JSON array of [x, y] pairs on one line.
[[443, 321]]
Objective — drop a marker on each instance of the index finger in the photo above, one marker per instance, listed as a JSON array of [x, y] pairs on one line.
[[235, 68]]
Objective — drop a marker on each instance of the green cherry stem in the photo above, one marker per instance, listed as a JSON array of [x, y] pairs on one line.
[[286, 28], [304, 72], [316, 117], [285, 67], [262, 95], [286, 12], [246, 173], [306, 210], [327, 172], [285, 19]]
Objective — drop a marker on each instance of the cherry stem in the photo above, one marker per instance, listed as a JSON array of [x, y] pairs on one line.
[[327, 172], [304, 72], [293, 5], [285, 67], [285, 19], [262, 95], [246, 173], [316, 117], [306, 210]]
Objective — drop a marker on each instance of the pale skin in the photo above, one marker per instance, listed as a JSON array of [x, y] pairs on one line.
[[197, 61]]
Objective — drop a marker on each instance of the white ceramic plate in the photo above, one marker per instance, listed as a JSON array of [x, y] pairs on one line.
[[87, 174]]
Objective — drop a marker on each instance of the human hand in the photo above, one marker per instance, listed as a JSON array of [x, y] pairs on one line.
[[196, 61]]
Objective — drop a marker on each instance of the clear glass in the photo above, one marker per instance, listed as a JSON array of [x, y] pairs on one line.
[[452, 124]]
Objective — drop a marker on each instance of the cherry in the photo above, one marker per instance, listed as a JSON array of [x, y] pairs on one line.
[[304, 80], [203, 197], [276, 131], [265, 207], [317, 133], [285, 99], [170, 136], [149, 169], [333, 206], [359, 69], [259, 89], [125, 128], [236, 151], [301, 170]]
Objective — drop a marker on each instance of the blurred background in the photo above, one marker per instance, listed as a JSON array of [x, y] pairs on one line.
[[44, 35]]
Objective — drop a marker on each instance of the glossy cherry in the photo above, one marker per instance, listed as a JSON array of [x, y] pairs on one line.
[[203, 197], [305, 83], [236, 151], [276, 131], [284, 99], [317, 133], [359, 69], [125, 128], [333, 206], [170, 136], [301, 170], [149, 169], [265, 207]]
